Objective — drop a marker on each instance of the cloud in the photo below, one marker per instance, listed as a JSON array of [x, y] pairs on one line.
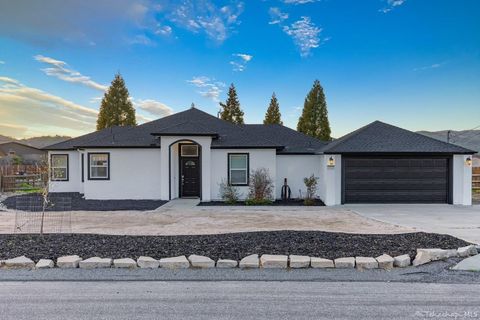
[[41, 112], [59, 69], [2, 62], [56, 22], [153, 107], [432, 66], [12, 130], [204, 16], [276, 15], [391, 4], [305, 34], [163, 30], [241, 61], [299, 1], [209, 88]]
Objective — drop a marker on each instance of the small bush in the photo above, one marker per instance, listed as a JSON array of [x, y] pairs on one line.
[[228, 193], [311, 184], [260, 188]]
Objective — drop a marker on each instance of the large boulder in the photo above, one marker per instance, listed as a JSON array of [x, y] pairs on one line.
[[250, 262], [45, 264], [385, 262], [402, 261], [345, 263], [179, 262], [226, 263], [321, 263], [95, 263], [428, 255], [469, 264], [467, 251], [366, 263], [67, 262], [147, 263], [19, 263], [269, 261], [201, 261], [297, 262], [125, 263]]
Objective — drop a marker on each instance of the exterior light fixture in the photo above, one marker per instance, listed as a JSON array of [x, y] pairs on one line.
[[331, 162], [468, 162]]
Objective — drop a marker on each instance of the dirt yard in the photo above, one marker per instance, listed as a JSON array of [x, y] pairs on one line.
[[215, 220]]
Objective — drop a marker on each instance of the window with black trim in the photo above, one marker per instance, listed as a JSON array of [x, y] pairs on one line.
[[98, 166], [238, 164], [59, 167]]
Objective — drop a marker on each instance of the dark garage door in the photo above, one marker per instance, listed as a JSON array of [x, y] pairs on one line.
[[383, 179]]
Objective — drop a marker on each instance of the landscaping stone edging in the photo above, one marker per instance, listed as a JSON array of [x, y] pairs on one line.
[[266, 261]]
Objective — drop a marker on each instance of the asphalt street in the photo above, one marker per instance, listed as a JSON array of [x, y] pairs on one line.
[[237, 300]]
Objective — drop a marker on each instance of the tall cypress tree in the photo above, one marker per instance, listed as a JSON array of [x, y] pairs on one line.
[[116, 108], [231, 108], [273, 115], [314, 119]]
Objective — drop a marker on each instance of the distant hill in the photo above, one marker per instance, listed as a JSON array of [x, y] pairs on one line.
[[37, 142], [469, 139]]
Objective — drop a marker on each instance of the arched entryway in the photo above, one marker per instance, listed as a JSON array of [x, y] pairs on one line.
[[185, 169]]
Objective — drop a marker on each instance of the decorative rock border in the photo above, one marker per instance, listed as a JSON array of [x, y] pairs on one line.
[[253, 261]]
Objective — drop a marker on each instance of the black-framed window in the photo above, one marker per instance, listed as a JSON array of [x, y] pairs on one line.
[[238, 168], [83, 167], [59, 167], [99, 166]]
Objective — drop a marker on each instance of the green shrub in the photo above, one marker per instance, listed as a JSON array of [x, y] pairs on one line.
[[311, 184], [258, 202]]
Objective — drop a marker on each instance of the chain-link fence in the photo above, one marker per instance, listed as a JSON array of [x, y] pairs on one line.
[[30, 214]]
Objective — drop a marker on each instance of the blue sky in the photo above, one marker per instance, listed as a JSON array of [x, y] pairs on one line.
[[412, 63]]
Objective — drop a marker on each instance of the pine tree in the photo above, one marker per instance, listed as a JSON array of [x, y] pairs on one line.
[[314, 119], [116, 108], [273, 115], [231, 108]]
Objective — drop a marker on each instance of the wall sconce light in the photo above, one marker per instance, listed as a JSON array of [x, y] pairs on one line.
[[331, 162], [468, 162]]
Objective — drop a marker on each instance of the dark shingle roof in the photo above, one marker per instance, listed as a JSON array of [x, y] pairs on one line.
[[379, 137], [295, 142]]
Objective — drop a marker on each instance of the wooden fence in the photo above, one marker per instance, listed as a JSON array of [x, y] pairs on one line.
[[22, 177], [476, 178]]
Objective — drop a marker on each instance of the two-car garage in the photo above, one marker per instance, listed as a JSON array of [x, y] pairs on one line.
[[396, 179], [381, 163]]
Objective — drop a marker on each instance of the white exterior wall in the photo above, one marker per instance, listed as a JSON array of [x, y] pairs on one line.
[[295, 168], [462, 180], [330, 184], [134, 174], [167, 143], [74, 183], [259, 158]]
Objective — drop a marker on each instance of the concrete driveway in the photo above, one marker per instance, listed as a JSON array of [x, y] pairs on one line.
[[460, 221]]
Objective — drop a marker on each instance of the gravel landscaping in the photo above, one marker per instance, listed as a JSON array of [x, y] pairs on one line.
[[226, 246], [32, 202], [291, 202]]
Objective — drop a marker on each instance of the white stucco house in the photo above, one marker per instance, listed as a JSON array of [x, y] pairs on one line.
[[189, 153]]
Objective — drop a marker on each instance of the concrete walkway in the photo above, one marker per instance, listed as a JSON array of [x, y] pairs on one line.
[[460, 221]]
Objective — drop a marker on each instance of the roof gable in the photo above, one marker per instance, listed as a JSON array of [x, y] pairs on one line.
[[379, 137]]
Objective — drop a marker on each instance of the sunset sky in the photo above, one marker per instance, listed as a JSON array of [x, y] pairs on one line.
[[412, 63]]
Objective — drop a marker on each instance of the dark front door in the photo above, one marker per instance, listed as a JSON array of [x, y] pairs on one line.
[[396, 179], [189, 177]]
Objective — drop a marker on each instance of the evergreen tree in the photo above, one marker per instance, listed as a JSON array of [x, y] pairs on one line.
[[273, 115], [314, 119], [116, 108], [231, 108]]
